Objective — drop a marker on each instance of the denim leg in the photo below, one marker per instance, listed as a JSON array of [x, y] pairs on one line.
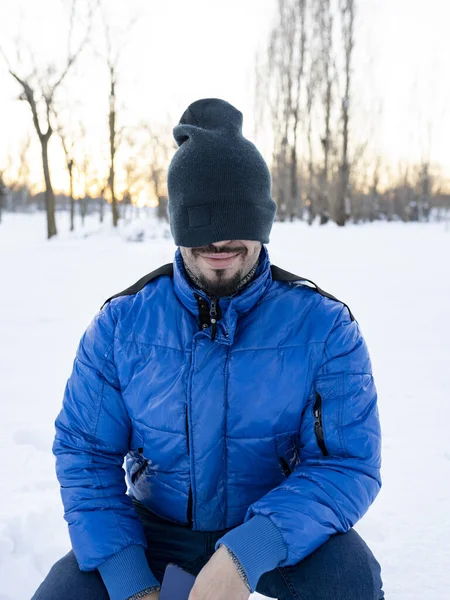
[[65, 580], [167, 543], [343, 568], [170, 542]]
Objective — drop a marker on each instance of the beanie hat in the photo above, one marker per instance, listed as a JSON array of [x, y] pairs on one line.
[[219, 184]]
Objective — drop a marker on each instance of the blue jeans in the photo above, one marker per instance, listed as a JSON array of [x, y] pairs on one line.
[[342, 569]]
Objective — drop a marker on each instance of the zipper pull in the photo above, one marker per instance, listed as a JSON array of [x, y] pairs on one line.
[[318, 424], [213, 317], [203, 311]]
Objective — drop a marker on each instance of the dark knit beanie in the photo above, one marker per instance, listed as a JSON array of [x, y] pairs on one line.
[[218, 182]]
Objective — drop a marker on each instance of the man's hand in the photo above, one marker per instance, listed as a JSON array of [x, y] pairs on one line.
[[219, 580], [152, 596]]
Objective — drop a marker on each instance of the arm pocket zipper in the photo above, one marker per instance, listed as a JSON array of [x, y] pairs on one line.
[[318, 425], [285, 466]]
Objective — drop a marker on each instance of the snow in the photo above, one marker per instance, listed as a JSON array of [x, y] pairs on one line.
[[396, 279]]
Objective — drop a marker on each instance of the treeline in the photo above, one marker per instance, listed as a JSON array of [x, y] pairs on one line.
[[305, 97], [20, 199], [405, 202]]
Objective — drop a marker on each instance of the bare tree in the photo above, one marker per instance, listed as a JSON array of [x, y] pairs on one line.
[[39, 90], [159, 149], [347, 12], [314, 84], [324, 19], [403, 193], [102, 201], [89, 180], [424, 191], [285, 73], [68, 148], [260, 96], [97, 186], [277, 105], [112, 58], [84, 177], [299, 70], [374, 200], [311, 90], [424, 179], [113, 137], [133, 177]]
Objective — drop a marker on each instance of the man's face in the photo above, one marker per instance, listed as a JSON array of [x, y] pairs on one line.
[[222, 265]]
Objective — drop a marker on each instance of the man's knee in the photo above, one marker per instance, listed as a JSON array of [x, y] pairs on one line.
[[351, 566], [65, 580], [343, 568]]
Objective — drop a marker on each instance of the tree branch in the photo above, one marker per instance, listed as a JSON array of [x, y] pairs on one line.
[[29, 97], [72, 58]]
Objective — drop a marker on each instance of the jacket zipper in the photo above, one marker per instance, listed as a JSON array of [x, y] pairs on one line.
[[209, 315], [318, 425], [213, 317], [189, 506]]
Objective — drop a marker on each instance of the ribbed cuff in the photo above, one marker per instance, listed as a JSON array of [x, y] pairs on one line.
[[258, 545], [127, 573]]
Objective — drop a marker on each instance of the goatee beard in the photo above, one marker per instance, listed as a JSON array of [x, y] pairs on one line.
[[222, 288], [219, 288]]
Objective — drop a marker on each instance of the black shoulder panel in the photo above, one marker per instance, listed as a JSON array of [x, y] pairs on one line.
[[133, 289], [277, 275], [282, 275]]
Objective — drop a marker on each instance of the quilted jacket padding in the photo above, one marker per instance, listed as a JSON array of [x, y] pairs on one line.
[[277, 416]]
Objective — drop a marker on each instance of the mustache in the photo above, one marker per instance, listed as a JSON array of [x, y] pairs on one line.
[[211, 249]]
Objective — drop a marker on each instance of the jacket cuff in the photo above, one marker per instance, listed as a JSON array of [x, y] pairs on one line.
[[127, 573], [258, 545]]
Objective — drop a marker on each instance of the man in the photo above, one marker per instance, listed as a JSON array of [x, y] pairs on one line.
[[242, 399]]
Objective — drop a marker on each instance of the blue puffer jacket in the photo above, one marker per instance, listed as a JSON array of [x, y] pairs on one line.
[[271, 428]]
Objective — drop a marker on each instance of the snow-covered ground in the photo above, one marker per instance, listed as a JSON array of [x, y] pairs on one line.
[[395, 277]]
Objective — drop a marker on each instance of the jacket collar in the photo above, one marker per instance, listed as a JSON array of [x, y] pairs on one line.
[[238, 303]]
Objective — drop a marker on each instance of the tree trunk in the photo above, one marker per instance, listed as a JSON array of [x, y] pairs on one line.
[[72, 202], [49, 193], [83, 206], [324, 24], [299, 34], [341, 212], [311, 199], [324, 180], [101, 207], [112, 144], [294, 179], [115, 210], [347, 15]]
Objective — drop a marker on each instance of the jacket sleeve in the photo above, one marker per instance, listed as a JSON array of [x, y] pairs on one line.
[[92, 438], [338, 475]]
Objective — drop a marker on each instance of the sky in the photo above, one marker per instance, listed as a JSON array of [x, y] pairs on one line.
[[178, 51]]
